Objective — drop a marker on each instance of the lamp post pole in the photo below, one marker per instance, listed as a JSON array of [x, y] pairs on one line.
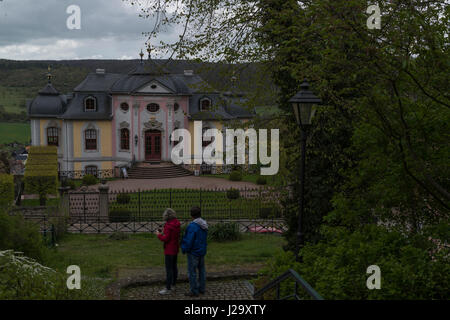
[[303, 104], [300, 239]]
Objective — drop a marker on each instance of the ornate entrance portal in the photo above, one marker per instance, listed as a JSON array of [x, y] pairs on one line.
[[153, 145]]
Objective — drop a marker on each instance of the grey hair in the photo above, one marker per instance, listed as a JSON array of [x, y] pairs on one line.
[[169, 214]]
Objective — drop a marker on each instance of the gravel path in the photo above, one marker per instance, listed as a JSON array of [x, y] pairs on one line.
[[189, 182]]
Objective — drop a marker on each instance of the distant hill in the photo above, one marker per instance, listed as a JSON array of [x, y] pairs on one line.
[[21, 80]]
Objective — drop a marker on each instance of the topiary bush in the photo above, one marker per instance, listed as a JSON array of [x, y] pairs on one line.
[[89, 180], [235, 176], [233, 194], [120, 215], [123, 198], [221, 232], [261, 180]]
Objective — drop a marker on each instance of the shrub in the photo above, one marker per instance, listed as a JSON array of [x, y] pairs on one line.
[[123, 198], [119, 215], [233, 194], [235, 176], [6, 190], [221, 232], [22, 278], [411, 268], [18, 234], [89, 180], [261, 180], [69, 183]]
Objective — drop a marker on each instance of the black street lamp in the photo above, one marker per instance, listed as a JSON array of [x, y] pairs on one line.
[[303, 104]]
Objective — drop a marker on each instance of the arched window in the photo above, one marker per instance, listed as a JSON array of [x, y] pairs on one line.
[[153, 107], [90, 104], [176, 107], [125, 139], [52, 136], [92, 170], [124, 107], [90, 136], [205, 104]]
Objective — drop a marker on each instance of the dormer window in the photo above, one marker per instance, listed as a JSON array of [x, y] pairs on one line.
[[205, 104], [124, 107], [90, 104], [153, 107]]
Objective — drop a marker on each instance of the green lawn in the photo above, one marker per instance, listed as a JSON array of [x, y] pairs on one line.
[[214, 204], [14, 132], [99, 256]]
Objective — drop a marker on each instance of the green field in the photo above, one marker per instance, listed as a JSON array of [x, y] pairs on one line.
[[13, 99], [14, 132]]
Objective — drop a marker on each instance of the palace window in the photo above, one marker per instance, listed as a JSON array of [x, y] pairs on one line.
[[124, 107], [52, 136], [125, 139], [153, 107], [92, 170], [90, 139], [90, 104], [205, 104]]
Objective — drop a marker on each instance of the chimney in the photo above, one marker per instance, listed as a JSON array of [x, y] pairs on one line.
[[188, 72], [100, 71]]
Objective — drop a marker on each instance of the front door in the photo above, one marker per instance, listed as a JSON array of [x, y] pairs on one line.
[[153, 145]]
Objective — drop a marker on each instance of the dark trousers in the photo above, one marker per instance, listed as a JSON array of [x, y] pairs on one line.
[[171, 270], [196, 264]]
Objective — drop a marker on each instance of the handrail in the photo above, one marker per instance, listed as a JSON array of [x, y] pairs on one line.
[[298, 280]]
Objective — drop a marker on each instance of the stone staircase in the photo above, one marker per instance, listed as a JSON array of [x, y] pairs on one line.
[[163, 170]]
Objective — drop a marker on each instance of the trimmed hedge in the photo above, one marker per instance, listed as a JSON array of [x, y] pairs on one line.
[[41, 172], [261, 180], [6, 190]]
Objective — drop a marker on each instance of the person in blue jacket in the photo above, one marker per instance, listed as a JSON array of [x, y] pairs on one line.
[[194, 245]]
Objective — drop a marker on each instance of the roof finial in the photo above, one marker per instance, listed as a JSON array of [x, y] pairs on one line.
[[49, 74], [141, 55]]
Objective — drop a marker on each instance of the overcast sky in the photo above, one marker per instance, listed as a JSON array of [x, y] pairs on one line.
[[37, 30]]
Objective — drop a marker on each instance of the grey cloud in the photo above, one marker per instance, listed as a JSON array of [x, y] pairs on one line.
[[105, 25]]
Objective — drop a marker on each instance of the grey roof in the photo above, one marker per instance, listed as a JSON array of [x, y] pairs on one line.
[[49, 103], [75, 110], [98, 82]]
